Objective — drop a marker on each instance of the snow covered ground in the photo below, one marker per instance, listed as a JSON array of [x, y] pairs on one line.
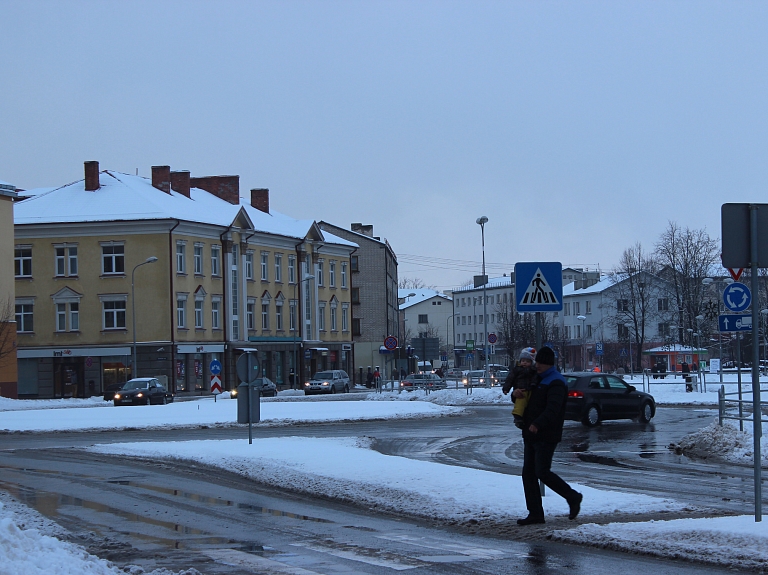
[[29, 545]]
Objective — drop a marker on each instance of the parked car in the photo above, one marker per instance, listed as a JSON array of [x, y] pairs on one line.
[[328, 381], [455, 373], [595, 397], [109, 392], [268, 389], [143, 391], [477, 378], [429, 381]]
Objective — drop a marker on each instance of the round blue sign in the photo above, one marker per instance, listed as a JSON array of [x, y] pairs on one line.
[[215, 367], [737, 296], [390, 343]]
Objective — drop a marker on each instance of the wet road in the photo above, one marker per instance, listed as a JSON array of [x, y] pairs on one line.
[[164, 515]]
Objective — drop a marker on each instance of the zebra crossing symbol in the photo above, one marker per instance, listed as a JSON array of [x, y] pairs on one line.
[[539, 286], [538, 291]]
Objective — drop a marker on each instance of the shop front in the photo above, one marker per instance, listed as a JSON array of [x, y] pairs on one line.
[[192, 369]]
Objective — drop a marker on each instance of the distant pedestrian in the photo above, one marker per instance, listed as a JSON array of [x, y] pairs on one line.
[[403, 374], [369, 378], [542, 430]]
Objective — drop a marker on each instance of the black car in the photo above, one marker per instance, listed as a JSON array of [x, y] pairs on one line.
[[143, 391], [268, 389], [595, 397], [109, 391]]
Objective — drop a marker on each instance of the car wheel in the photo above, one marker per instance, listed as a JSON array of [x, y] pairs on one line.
[[592, 417], [346, 388], [646, 412], [333, 389], [165, 400]]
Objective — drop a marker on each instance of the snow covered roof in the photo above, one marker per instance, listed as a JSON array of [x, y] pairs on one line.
[[674, 348], [422, 294], [600, 286], [124, 197], [503, 281]]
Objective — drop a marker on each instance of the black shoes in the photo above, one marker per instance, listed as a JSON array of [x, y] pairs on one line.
[[531, 520], [574, 506], [518, 421]]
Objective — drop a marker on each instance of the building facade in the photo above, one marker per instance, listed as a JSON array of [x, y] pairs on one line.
[[8, 369], [427, 313], [199, 275]]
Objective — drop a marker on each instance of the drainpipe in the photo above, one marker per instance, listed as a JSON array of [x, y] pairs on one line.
[[224, 308], [299, 372], [351, 308], [171, 259]]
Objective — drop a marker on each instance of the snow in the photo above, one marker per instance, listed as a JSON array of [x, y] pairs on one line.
[[312, 464]]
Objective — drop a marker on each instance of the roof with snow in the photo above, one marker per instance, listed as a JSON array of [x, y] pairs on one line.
[[421, 295], [124, 197], [503, 281]]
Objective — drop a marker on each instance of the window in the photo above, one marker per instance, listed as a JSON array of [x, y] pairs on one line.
[[215, 303], [292, 315], [198, 313], [567, 331], [279, 313], [248, 265], [576, 308], [198, 257], [463, 320], [321, 316], [320, 266], [343, 274], [250, 310], [354, 263], [181, 260], [24, 316], [589, 330], [265, 313], [334, 325], [664, 330], [344, 317], [588, 306], [23, 262], [264, 266], [279, 268], [181, 311], [113, 312], [423, 318], [663, 304], [567, 308], [356, 326], [332, 274], [216, 261], [112, 259], [292, 269], [66, 260], [355, 295], [623, 331], [622, 305], [68, 313], [578, 331]]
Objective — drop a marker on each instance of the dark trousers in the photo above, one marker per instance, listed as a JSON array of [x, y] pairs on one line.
[[537, 461]]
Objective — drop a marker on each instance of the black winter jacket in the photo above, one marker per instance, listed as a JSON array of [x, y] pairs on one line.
[[546, 408], [520, 378]]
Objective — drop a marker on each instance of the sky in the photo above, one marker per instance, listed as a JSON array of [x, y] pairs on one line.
[[29, 544], [577, 128]]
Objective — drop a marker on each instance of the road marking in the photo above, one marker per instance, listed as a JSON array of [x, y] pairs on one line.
[[398, 563], [257, 563], [465, 553]]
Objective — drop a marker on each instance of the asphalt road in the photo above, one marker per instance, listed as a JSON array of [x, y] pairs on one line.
[[177, 516]]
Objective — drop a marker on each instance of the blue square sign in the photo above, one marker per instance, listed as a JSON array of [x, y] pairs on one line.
[[539, 286]]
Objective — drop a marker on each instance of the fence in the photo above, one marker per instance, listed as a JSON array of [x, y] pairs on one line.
[[660, 378], [731, 402]]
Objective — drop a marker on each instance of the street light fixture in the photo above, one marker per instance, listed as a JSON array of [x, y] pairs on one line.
[[631, 357], [135, 367], [296, 380], [583, 318], [481, 221]]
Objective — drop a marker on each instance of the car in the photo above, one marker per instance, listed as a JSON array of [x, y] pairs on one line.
[[455, 373], [143, 391], [109, 392], [430, 381], [596, 397], [268, 389], [477, 378], [328, 381]]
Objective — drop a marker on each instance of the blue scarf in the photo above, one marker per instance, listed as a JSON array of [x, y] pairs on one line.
[[550, 375]]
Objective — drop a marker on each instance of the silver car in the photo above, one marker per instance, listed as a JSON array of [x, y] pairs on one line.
[[429, 381], [328, 381]]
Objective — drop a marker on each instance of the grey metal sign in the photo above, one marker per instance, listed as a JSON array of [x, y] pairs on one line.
[[735, 229]]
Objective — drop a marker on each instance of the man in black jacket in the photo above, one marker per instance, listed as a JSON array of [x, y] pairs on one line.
[[542, 431]]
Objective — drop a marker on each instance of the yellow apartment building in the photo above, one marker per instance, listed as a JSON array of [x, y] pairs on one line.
[[8, 373], [199, 274]]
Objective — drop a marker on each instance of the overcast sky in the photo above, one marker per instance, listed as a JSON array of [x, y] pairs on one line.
[[578, 128]]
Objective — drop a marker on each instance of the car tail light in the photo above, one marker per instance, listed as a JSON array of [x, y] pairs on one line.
[[577, 394]]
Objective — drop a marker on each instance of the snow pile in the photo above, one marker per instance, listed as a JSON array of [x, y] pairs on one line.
[[7, 404], [727, 541], [456, 397], [724, 442]]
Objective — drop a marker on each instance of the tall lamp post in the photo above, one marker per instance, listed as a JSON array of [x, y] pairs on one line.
[[629, 326], [481, 221], [453, 343], [583, 318], [135, 368], [296, 329]]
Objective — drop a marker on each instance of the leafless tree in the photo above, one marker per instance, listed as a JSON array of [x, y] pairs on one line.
[[7, 329], [412, 283], [518, 330]]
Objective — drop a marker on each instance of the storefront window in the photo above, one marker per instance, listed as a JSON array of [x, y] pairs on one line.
[[114, 370]]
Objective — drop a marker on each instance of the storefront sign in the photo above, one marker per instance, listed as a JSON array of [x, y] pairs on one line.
[[199, 348], [74, 352]]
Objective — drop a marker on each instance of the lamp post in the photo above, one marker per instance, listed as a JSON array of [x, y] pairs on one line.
[[673, 328], [296, 330], [135, 367], [699, 319], [453, 343], [631, 357], [481, 221], [583, 318]]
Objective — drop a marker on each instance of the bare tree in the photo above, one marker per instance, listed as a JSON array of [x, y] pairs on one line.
[[518, 330], [7, 329], [412, 283]]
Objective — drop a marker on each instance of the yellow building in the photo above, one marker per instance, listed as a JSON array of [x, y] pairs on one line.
[[200, 275], [8, 374]]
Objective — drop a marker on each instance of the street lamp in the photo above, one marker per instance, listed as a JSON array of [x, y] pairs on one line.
[[481, 221], [631, 357], [296, 329], [135, 368], [583, 318]]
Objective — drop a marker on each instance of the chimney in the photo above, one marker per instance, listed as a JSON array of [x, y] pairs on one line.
[[91, 176], [225, 187], [366, 230], [260, 199], [161, 178], [180, 182]]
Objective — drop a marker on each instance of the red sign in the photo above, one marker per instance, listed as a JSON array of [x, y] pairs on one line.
[[215, 384], [735, 274]]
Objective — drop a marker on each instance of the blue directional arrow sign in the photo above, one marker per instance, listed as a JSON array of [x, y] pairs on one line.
[[215, 367], [737, 296], [735, 322]]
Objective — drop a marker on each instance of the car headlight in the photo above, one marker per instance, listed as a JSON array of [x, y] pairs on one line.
[[117, 396], [326, 383], [139, 394], [233, 393], [306, 384]]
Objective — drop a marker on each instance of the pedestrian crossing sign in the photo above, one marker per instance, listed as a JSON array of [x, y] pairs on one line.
[[539, 286]]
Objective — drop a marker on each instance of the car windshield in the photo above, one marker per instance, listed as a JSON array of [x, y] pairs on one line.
[[322, 375], [136, 385]]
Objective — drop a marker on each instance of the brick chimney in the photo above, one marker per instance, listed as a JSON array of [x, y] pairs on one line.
[[260, 199], [161, 178], [225, 187], [366, 230], [92, 176], [180, 182]]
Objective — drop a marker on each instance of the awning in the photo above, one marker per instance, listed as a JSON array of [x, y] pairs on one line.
[[247, 349]]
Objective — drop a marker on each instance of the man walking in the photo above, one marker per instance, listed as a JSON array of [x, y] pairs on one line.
[[542, 431]]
